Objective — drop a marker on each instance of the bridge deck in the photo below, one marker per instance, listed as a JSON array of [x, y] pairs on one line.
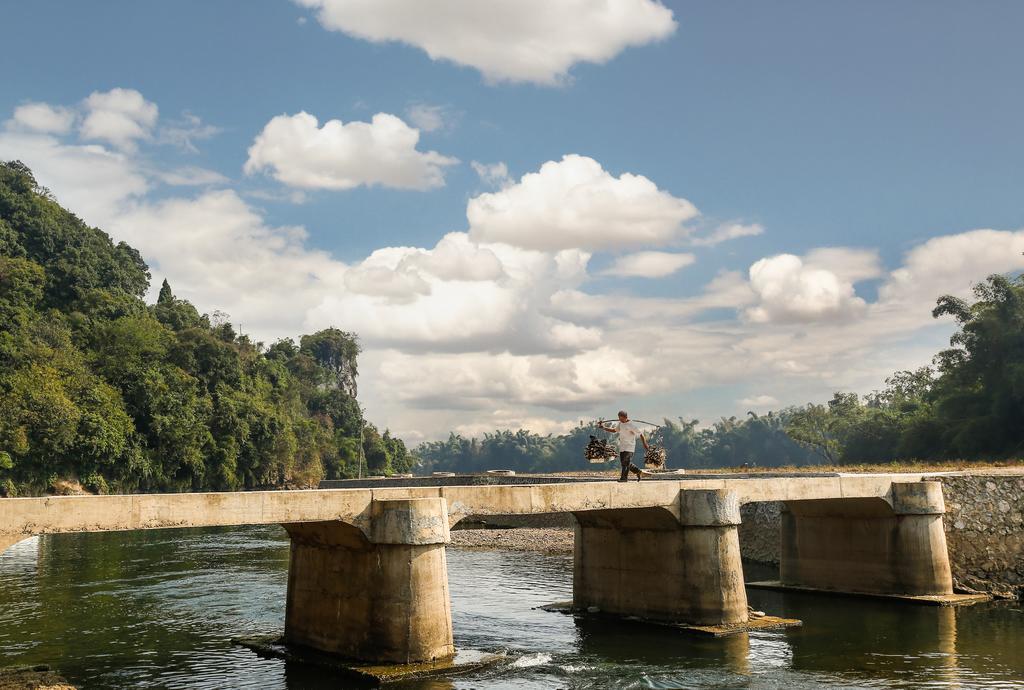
[[24, 517]]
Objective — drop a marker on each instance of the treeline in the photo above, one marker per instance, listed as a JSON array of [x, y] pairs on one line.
[[98, 387], [969, 405], [754, 440]]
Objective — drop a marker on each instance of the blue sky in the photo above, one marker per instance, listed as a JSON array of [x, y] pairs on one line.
[[873, 127]]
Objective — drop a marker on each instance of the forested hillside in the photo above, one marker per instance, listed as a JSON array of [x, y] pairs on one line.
[[98, 387], [968, 405]]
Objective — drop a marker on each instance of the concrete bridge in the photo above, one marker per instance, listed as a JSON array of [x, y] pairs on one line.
[[368, 577]]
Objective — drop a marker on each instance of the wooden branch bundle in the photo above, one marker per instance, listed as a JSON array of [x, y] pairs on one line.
[[654, 458], [598, 450]]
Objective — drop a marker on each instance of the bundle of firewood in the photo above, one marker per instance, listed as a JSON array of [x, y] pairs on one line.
[[654, 458], [598, 450]]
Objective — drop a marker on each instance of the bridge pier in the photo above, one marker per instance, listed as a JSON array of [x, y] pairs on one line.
[[382, 598], [650, 563], [869, 545]]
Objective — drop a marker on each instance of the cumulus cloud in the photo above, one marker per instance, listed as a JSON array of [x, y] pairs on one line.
[[218, 251], [300, 153], [455, 257], [575, 203], [790, 290], [43, 118], [398, 285], [648, 264], [476, 380], [729, 231], [849, 264], [951, 264], [94, 182], [507, 40], [458, 296], [120, 117]]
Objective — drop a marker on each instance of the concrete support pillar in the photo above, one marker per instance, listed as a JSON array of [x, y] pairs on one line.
[[648, 563], [380, 599], [869, 545]]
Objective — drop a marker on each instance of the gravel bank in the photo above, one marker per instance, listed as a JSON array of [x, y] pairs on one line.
[[35, 678], [520, 539]]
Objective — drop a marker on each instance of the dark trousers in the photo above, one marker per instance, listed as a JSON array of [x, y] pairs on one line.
[[626, 459]]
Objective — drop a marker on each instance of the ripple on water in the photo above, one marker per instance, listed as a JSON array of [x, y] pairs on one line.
[[158, 610]]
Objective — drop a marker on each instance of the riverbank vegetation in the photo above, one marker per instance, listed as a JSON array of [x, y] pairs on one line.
[[968, 406], [98, 387]]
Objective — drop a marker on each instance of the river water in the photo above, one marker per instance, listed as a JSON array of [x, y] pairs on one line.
[[159, 609]]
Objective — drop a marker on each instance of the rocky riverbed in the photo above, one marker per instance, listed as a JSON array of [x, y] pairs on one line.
[[541, 540], [34, 678]]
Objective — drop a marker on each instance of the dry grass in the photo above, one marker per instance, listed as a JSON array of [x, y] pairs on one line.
[[982, 466]]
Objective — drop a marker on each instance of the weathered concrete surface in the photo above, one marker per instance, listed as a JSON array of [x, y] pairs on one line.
[[383, 602], [760, 527], [366, 674], [751, 624], [24, 517], [868, 545], [689, 566], [944, 600]]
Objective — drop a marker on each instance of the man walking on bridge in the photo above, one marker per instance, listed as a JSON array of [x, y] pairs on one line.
[[628, 433]]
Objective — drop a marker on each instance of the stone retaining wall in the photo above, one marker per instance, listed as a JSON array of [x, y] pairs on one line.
[[984, 531]]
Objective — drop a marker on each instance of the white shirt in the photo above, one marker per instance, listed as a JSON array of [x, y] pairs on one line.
[[628, 434]]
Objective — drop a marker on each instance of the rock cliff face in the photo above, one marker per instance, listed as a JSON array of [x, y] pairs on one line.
[[984, 525]]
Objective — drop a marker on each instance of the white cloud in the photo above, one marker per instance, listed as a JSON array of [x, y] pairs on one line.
[[729, 231], [217, 251], [383, 152], [790, 291], [759, 402], [507, 40], [379, 275], [119, 116], [477, 380], [457, 297], [849, 264], [456, 258], [519, 418], [494, 175], [648, 264], [575, 203], [429, 118], [43, 118], [92, 181], [191, 176], [186, 131], [951, 264]]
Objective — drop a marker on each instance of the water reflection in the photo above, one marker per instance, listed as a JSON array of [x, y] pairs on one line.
[[159, 609]]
